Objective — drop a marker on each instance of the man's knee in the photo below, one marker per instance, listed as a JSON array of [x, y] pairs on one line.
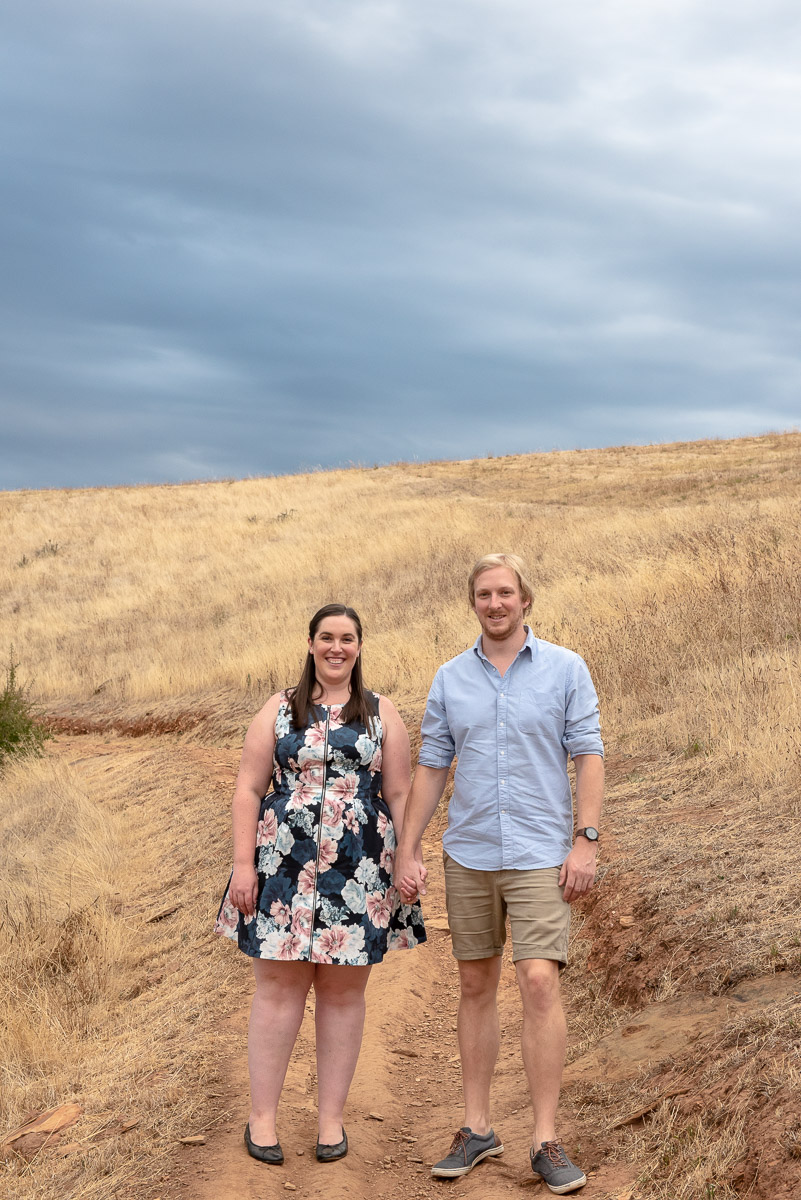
[[478, 978], [538, 980]]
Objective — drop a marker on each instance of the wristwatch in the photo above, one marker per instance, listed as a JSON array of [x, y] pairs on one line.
[[590, 833]]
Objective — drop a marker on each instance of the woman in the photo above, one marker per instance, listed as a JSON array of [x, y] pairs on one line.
[[310, 899]]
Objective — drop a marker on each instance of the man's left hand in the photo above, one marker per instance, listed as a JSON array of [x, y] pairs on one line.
[[578, 870]]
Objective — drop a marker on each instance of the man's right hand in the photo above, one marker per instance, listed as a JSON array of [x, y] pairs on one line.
[[410, 874]]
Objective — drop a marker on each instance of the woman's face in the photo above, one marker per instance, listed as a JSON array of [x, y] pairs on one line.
[[335, 647]]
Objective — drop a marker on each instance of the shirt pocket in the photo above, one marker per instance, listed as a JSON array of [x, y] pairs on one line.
[[541, 712]]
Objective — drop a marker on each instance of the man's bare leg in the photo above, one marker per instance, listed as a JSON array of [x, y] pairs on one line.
[[479, 1037], [544, 1041]]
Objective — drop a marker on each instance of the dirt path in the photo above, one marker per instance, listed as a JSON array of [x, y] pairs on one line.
[[404, 1104]]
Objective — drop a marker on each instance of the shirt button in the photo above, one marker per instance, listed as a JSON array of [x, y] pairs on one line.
[[503, 751], [503, 781]]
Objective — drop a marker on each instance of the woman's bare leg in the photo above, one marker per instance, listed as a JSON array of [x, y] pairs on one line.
[[339, 1020], [275, 1018]]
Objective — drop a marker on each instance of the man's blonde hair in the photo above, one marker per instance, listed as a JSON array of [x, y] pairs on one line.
[[514, 564]]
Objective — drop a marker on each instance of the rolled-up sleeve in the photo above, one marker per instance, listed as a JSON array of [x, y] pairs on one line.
[[438, 748], [582, 720]]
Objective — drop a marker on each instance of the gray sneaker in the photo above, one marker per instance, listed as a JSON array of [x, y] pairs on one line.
[[551, 1164], [467, 1149]]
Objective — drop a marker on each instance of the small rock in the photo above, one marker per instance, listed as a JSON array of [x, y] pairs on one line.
[[374, 1117], [290, 1187], [198, 1139], [300, 1153]]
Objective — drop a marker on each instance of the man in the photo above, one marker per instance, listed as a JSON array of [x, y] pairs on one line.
[[511, 708]]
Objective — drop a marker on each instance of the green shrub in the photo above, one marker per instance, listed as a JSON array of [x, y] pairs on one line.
[[20, 731]]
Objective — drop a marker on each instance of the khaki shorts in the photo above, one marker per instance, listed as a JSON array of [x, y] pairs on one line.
[[478, 901]]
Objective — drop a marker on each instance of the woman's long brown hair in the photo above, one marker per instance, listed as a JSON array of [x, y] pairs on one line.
[[358, 707]]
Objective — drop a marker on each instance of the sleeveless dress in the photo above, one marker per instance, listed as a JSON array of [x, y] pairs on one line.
[[324, 851]]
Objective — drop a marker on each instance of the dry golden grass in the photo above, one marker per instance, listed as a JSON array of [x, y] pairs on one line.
[[674, 570]]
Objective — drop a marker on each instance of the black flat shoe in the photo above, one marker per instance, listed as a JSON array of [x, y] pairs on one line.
[[266, 1154], [332, 1153]]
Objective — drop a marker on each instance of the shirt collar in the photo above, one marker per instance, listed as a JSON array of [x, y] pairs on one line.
[[530, 643]]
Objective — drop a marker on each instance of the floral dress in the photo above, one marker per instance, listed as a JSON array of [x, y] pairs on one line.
[[324, 851]]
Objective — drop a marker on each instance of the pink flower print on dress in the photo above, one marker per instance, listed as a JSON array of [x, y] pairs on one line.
[[267, 829], [228, 920], [382, 824], [332, 811], [280, 912], [335, 716], [328, 853], [379, 909], [315, 736], [332, 941], [301, 921], [288, 947], [352, 821], [387, 860], [306, 878], [307, 788], [344, 787], [375, 761]]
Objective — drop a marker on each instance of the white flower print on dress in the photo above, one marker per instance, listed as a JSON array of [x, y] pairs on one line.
[[354, 950], [283, 722], [285, 840], [281, 945], [269, 861], [382, 824], [355, 896], [309, 760], [365, 748], [367, 872], [228, 920]]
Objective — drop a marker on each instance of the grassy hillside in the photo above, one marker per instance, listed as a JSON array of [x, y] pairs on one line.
[[175, 611]]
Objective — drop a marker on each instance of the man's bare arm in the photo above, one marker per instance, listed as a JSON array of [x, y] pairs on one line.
[[578, 870], [410, 874]]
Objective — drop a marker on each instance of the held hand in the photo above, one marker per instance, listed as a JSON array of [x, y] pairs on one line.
[[410, 875], [243, 889], [578, 870]]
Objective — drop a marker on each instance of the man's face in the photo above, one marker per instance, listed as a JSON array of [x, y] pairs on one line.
[[498, 604]]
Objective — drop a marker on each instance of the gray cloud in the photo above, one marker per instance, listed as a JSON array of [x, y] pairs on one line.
[[264, 237]]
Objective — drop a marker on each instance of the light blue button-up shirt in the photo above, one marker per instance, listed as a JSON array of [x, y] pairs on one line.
[[512, 805]]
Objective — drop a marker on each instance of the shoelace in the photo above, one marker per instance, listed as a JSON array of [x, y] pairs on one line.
[[555, 1153], [460, 1139]]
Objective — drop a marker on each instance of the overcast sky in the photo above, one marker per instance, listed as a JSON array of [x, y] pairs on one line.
[[252, 237]]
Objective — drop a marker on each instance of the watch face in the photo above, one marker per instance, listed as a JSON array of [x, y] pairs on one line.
[[591, 833]]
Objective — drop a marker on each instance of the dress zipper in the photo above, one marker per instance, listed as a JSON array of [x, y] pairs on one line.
[[319, 831]]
